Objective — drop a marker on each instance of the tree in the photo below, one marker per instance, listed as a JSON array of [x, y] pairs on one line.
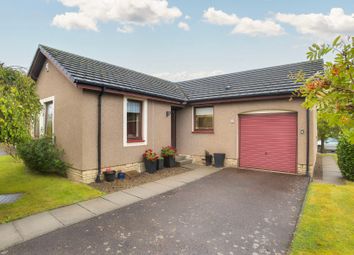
[[325, 130], [332, 91], [19, 105]]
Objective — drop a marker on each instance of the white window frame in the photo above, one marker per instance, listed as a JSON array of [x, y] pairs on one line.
[[144, 119], [193, 127], [42, 115]]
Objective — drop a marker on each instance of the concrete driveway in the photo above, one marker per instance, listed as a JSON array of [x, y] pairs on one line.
[[229, 212]]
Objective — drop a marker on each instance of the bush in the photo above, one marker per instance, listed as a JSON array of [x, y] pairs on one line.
[[41, 155], [345, 152]]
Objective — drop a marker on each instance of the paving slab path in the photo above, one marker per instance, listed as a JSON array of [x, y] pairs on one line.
[[330, 171], [229, 212]]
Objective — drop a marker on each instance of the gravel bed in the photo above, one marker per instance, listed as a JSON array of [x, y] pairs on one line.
[[134, 179]]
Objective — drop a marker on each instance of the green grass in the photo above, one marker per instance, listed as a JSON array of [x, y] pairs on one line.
[[326, 226], [41, 192]]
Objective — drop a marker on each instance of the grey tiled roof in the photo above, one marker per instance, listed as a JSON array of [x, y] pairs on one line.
[[89, 71], [259, 82]]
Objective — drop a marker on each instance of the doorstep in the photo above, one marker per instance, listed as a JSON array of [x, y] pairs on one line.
[[42, 223]]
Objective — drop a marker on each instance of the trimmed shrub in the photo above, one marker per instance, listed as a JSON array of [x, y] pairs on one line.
[[345, 152], [43, 156]]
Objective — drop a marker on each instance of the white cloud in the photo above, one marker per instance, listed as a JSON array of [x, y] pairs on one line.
[[319, 24], [72, 20], [184, 26], [125, 29], [187, 17], [243, 25], [184, 75], [123, 12], [219, 17], [258, 27]]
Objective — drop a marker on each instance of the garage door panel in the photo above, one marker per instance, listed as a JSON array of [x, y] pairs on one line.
[[268, 141]]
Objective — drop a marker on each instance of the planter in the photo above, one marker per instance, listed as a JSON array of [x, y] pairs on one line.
[[150, 166], [121, 176], [169, 161], [109, 176], [160, 163], [219, 159], [208, 160], [145, 162]]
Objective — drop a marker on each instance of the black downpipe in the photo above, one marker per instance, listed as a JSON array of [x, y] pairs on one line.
[[99, 126], [307, 142]]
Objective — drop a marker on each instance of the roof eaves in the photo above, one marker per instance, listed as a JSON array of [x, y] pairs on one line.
[[125, 89], [56, 63], [282, 93]]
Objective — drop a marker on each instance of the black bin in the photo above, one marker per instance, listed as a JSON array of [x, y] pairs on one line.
[[219, 159]]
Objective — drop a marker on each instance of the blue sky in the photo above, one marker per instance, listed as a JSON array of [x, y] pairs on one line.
[[224, 36]]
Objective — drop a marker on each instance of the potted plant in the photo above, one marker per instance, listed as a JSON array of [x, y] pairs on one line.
[[160, 163], [169, 153], [150, 161], [109, 175], [121, 175], [208, 158]]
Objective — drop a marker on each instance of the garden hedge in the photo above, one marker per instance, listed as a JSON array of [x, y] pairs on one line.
[[43, 156], [345, 152]]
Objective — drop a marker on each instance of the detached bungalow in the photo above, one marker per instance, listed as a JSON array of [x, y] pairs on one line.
[[103, 115]]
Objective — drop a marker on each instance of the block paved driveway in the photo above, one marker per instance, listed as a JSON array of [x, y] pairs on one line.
[[229, 212]]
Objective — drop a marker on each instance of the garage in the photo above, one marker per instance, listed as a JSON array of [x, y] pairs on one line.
[[268, 141]]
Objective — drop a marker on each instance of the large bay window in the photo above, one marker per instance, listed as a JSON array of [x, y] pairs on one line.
[[203, 119]]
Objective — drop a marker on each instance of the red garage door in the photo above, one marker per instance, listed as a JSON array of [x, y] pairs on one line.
[[268, 141]]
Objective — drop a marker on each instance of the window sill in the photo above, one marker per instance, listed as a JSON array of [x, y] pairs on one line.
[[203, 132], [135, 141]]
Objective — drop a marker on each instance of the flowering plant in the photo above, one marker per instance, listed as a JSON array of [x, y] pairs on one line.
[[150, 155], [109, 170], [168, 151]]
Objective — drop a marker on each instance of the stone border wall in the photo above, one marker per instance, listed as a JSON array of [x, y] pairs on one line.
[[88, 176]]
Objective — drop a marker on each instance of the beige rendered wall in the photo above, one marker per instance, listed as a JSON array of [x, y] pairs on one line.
[[225, 137], [113, 151], [67, 112], [75, 126]]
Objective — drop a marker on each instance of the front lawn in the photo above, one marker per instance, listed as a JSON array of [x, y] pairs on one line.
[[327, 223], [41, 192]]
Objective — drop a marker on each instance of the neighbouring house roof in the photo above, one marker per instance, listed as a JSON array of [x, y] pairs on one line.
[[271, 81], [259, 82]]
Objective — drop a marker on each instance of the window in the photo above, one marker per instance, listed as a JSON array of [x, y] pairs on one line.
[[48, 120], [36, 131], [134, 120], [43, 124], [203, 118]]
